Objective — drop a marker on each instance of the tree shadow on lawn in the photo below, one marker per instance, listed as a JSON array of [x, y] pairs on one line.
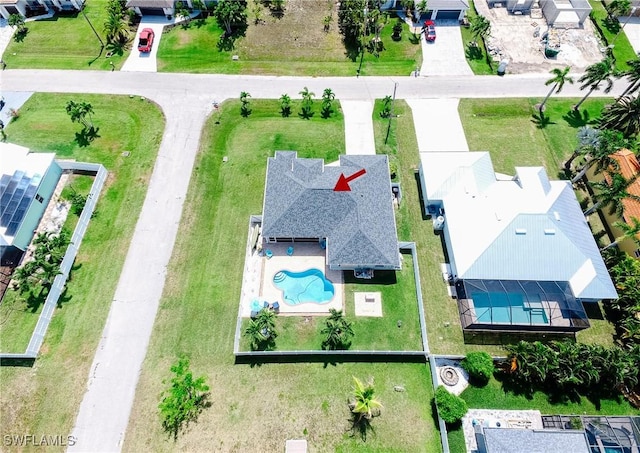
[[578, 118], [360, 427], [473, 52]]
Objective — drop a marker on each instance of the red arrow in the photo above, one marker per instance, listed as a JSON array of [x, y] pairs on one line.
[[343, 183]]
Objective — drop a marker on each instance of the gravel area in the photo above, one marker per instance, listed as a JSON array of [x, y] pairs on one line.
[[517, 38]]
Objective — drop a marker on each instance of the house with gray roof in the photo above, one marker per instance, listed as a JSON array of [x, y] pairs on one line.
[[505, 440], [522, 256], [306, 200]]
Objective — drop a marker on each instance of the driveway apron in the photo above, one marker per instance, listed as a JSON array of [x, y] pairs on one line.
[[437, 124], [358, 127]]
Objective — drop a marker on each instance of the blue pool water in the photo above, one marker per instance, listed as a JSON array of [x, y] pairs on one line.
[[301, 287], [507, 308]]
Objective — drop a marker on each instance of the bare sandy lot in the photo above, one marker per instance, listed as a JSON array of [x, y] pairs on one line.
[[518, 38]]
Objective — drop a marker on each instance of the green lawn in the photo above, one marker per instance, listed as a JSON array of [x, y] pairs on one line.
[[64, 42], [507, 129], [45, 398], [399, 303], [622, 50], [476, 56], [265, 50], [256, 408]]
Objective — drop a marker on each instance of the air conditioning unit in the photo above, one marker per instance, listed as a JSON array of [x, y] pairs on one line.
[[438, 223]]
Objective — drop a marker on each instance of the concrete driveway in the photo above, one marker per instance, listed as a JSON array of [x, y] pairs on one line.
[[632, 30], [437, 125], [358, 127], [146, 62], [444, 56]]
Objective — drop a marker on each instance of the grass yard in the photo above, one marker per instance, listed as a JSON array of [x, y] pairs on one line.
[[256, 408], [476, 56], [299, 333], [64, 42], [440, 309], [45, 398], [507, 129], [622, 50], [285, 46]]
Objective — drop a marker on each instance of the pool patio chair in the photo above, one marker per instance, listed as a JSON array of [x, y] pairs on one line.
[[268, 253], [276, 307], [290, 251]]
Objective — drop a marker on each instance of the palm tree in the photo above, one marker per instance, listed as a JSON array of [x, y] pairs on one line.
[[594, 76], [115, 29], [588, 138], [480, 27], [78, 111], [609, 141], [327, 98], [633, 76], [285, 105], [364, 404], [16, 20], [307, 103], [611, 193], [623, 115], [338, 332], [261, 331], [254, 333], [630, 230], [560, 77]]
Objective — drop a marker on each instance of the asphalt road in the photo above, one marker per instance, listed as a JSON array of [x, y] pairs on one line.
[[186, 100]]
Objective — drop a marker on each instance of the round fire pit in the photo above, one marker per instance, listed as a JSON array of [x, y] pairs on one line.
[[449, 375]]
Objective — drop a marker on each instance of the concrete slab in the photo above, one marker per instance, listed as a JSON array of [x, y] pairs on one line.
[[368, 304], [444, 56], [12, 100], [632, 30], [358, 127], [437, 125]]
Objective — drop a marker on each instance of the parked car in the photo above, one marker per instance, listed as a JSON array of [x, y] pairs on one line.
[[429, 29], [146, 40]]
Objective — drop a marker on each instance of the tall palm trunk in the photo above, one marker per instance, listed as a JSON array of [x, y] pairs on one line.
[[631, 88], [577, 106], [567, 164], [593, 208], [581, 173], [541, 108]]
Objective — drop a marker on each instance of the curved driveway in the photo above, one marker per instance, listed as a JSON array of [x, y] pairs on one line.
[[186, 101]]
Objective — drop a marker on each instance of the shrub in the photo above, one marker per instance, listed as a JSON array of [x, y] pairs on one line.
[[451, 408], [480, 367]]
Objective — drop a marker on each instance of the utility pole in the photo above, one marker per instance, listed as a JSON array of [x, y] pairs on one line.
[[393, 100], [91, 25]]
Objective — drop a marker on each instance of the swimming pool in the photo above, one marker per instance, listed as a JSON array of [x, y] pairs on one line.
[[507, 308], [302, 287]]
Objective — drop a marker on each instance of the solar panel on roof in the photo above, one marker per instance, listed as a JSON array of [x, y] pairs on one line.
[[18, 191]]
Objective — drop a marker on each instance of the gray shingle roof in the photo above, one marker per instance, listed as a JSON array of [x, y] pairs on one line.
[[505, 440], [359, 225]]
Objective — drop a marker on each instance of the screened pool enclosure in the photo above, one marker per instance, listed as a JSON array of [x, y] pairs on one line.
[[519, 305]]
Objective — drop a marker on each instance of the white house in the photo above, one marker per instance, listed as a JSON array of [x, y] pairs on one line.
[[28, 8], [520, 250]]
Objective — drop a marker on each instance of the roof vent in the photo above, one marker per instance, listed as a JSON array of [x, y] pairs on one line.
[[521, 231], [556, 214], [549, 231]]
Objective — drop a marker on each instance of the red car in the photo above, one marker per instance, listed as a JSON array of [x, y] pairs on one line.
[[146, 40], [429, 29]]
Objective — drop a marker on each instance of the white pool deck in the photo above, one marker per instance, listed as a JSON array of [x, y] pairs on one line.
[[257, 283]]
